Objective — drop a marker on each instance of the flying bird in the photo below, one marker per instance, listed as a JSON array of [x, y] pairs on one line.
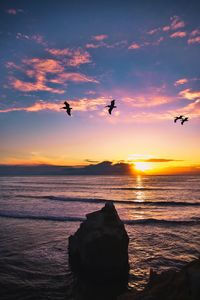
[[111, 106], [184, 120], [67, 107], [178, 118]]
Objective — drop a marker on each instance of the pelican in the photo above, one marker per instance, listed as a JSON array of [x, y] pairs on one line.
[[184, 120], [178, 118], [111, 106], [67, 107]]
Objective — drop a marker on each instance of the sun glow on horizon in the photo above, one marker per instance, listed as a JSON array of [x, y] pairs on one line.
[[142, 166]]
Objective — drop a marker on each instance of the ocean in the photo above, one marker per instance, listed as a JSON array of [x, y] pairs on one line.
[[37, 215]]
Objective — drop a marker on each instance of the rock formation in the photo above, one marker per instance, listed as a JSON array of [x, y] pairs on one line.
[[98, 251], [171, 285]]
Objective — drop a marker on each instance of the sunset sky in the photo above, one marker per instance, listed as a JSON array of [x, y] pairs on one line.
[[144, 54]]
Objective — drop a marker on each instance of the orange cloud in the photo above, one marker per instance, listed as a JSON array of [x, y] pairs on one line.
[[39, 85], [134, 46], [76, 57], [195, 40], [178, 34], [181, 81], [190, 95], [100, 37], [79, 57], [38, 68]]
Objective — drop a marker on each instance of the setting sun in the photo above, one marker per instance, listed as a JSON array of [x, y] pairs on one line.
[[142, 166]]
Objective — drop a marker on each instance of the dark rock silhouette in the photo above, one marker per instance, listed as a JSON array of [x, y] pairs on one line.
[[171, 285], [98, 254]]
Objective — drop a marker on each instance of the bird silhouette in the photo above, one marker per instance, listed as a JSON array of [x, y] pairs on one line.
[[67, 107], [178, 118], [184, 120], [111, 106]]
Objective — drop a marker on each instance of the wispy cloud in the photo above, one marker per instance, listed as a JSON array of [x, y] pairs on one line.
[[153, 31], [82, 105], [194, 40], [14, 11], [189, 94], [176, 23], [38, 69], [134, 46], [157, 160], [60, 52], [147, 100], [74, 77], [75, 57], [39, 39], [79, 57], [195, 32], [100, 37], [181, 81], [178, 34]]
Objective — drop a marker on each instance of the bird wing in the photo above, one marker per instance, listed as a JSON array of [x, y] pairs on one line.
[[175, 119], [113, 102], [110, 110], [182, 122], [66, 104]]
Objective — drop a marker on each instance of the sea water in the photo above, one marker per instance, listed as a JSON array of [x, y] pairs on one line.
[[37, 215]]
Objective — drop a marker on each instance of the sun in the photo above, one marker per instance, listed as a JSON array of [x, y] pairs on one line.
[[142, 166]]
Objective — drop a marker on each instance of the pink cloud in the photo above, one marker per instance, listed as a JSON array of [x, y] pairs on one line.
[[39, 85], [39, 39], [79, 57], [191, 109], [60, 52], [44, 65], [82, 105], [166, 28], [38, 69], [76, 58], [36, 37], [147, 100], [181, 81], [195, 40], [176, 23], [134, 46], [74, 77], [14, 11], [95, 46], [100, 37], [178, 34], [153, 31], [195, 32]]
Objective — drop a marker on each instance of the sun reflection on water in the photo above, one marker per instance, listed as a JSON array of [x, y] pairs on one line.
[[139, 193]]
